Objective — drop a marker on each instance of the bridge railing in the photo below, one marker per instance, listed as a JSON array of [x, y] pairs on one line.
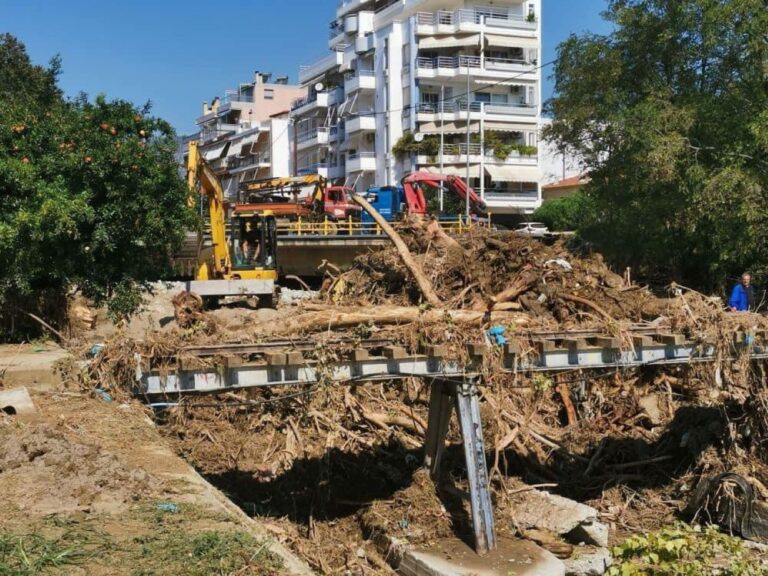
[[352, 227]]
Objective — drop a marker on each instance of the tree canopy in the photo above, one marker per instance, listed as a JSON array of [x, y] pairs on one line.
[[670, 113], [90, 192]]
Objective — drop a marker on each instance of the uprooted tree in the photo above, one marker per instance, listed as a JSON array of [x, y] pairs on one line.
[[90, 194], [670, 114]]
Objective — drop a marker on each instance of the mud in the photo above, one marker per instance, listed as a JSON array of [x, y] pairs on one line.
[[43, 472]]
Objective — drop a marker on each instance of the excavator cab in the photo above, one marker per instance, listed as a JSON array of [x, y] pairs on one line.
[[253, 244]]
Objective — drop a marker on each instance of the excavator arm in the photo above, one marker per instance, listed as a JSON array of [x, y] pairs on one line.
[[199, 173]]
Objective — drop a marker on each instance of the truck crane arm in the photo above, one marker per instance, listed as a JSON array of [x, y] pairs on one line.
[[201, 175], [413, 183]]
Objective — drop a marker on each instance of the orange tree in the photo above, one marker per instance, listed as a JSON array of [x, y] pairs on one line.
[[90, 192]]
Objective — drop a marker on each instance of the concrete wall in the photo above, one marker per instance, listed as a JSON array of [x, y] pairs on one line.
[[282, 96], [281, 147]]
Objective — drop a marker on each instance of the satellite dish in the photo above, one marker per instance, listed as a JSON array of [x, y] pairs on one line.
[[419, 137], [319, 87]]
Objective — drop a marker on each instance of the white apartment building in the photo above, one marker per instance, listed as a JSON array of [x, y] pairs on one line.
[[247, 134], [433, 70]]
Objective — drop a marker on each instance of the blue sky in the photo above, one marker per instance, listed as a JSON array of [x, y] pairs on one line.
[[178, 54]]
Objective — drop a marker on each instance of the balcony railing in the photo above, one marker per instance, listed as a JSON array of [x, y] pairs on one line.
[[498, 16], [460, 149], [250, 160], [448, 62], [313, 168], [359, 73], [310, 135], [490, 107], [237, 96], [356, 155], [335, 30], [299, 102]]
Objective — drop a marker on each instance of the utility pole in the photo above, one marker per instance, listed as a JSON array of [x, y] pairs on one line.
[[482, 150], [442, 142], [469, 119]]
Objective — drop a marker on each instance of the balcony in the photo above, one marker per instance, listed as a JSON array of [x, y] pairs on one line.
[[347, 6], [336, 134], [309, 73], [317, 100], [457, 111], [363, 44], [252, 161], [360, 80], [458, 66], [336, 35], [457, 154], [314, 137], [525, 200], [361, 162], [365, 123], [470, 20], [337, 170]]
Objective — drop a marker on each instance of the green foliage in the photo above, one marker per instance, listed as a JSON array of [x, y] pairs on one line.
[[407, 145], [502, 144], [683, 550], [90, 193], [574, 212], [669, 114], [31, 554]]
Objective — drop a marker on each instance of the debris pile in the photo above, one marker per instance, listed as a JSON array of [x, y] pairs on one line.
[[334, 464]]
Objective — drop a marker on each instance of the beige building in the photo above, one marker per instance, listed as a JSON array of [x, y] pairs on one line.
[[247, 134]]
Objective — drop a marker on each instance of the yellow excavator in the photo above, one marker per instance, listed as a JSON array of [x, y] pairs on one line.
[[243, 259]]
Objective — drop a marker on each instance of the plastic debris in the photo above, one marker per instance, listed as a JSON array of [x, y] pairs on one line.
[[168, 507], [496, 335], [564, 264], [104, 395], [96, 350]]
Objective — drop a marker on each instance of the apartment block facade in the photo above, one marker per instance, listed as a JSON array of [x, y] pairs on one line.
[[404, 83], [247, 134]]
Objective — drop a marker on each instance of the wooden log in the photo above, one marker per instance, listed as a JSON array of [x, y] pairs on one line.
[[520, 285], [405, 255], [388, 315], [588, 304]]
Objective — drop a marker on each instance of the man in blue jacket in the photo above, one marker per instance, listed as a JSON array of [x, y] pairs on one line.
[[743, 295]]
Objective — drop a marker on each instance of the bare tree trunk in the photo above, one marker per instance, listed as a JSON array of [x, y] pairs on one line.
[[424, 284], [333, 318]]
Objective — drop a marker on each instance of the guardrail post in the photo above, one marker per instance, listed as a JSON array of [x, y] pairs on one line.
[[298, 230], [350, 224], [325, 226]]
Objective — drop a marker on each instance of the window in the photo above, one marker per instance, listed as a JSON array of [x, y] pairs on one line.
[[430, 97], [499, 98], [483, 97], [269, 94]]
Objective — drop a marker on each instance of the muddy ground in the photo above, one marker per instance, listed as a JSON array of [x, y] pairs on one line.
[[89, 487]]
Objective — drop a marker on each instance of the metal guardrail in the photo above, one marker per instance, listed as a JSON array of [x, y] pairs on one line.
[[352, 227]]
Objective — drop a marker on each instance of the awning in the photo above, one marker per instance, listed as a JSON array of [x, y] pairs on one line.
[[235, 149], [510, 127], [449, 41], [453, 170], [512, 173], [215, 152], [448, 128], [245, 145], [511, 41]]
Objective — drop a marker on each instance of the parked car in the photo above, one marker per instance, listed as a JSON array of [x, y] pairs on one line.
[[532, 229]]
